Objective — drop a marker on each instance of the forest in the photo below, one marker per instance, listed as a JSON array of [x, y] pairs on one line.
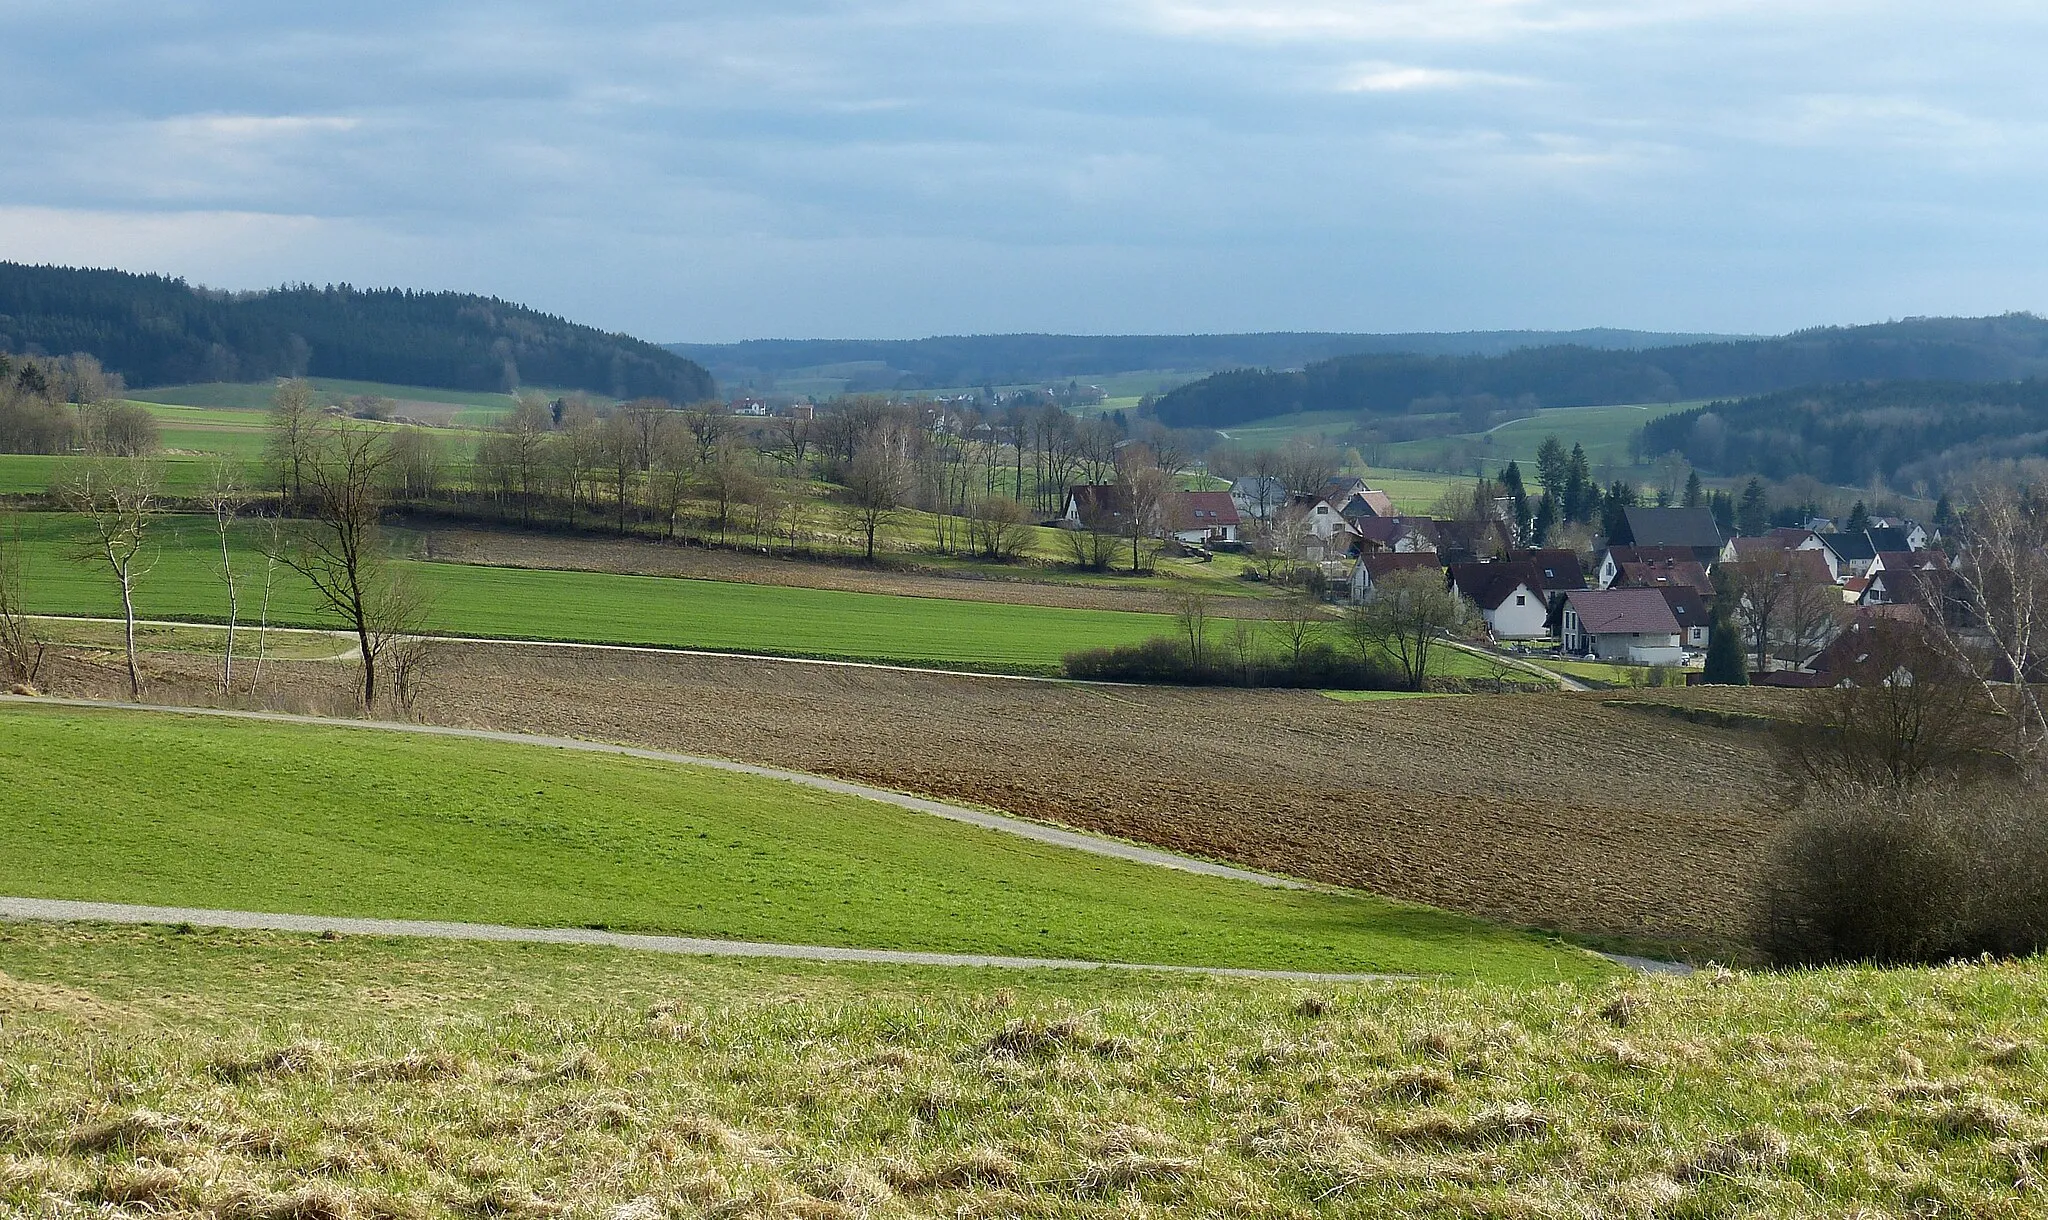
[[1905, 432], [1938, 349], [156, 330], [955, 361]]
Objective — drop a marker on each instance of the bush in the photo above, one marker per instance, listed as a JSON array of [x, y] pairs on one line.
[[1896, 877], [1164, 660]]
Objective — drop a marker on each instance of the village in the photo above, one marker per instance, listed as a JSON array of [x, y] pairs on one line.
[[1798, 598]]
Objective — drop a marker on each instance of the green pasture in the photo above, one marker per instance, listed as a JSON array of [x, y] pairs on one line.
[[256, 395], [195, 811], [593, 607]]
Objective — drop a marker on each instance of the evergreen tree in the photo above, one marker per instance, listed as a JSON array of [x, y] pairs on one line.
[[1754, 516], [1944, 513], [1695, 495], [1722, 505], [1613, 509], [1726, 663], [1511, 483], [1581, 493], [1546, 520], [1859, 519], [1552, 466]]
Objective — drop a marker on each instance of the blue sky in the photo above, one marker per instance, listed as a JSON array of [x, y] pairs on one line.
[[712, 171]]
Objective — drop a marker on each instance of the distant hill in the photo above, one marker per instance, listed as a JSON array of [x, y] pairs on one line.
[[1906, 432], [1949, 349], [155, 330], [972, 360]]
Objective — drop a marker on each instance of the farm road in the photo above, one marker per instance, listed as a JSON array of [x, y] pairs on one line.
[[56, 910], [1099, 845]]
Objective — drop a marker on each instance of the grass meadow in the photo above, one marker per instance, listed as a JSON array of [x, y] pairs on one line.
[[164, 809], [223, 1074]]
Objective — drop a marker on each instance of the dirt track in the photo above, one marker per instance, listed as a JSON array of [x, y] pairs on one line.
[[1539, 809]]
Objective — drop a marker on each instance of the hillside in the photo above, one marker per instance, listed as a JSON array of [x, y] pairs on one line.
[[972, 360], [1903, 432], [233, 1074], [1951, 349], [155, 330]]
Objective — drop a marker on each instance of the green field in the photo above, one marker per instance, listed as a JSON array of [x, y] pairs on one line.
[[600, 608], [256, 395], [1604, 431], [199, 811]]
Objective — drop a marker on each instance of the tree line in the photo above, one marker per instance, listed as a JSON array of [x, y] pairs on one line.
[[1983, 349], [1904, 433], [156, 330]]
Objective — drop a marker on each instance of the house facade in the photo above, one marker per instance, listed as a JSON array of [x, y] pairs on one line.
[[1634, 626], [1509, 596]]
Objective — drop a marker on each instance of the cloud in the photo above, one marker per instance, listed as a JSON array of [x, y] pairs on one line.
[[1383, 77]]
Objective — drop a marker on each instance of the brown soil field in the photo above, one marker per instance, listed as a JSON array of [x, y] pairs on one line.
[[1548, 810], [643, 557]]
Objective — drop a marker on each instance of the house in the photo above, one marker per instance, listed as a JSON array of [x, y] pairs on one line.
[[1691, 528], [1376, 566], [1611, 560], [1397, 535], [1325, 534], [1905, 586], [1631, 625], [1366, 505], [1509, 596], [1471, 541], [1887, 538], [1097, 505], [1853, 553], [1689, 608], [1257, 497], [1916, 535], [1202, 517], [1560, 569], [1881, 634]]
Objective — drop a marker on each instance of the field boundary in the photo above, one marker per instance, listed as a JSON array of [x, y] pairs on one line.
[[52, 910]]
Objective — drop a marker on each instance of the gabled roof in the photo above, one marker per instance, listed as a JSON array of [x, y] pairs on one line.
[[1381, 563], [1196, 510], [1388, 530], [1850, 547], [1559, 568], [1623, 612], [1651, 554], [1688, 527], [1685, 573], [1885, 539], [1788, 537], [1489, 585], [1687, 606], [1098, 499], [1367, 505]]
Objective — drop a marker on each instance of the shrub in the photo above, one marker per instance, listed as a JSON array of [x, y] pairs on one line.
[[1165, 660], [1894, 877]]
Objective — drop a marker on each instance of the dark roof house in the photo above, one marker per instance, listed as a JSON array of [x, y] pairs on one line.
[[1560, 568], [1692, 528]]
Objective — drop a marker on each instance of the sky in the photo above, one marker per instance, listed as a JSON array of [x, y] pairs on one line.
[[732, 169]]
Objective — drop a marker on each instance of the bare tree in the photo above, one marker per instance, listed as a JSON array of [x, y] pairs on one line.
[[225, 501], [730, 480], [341, 553], [1993, 611], [1299, 624], [1306, 466], [877, 480], [1902, 712], [118, 499], [793, 434], [414, 472], [675, 463], [1143, 489], [1191, 616], [272, 546], [707, 424], [294, 421], [21, 649], [399, 619], [1411, 615], [619, 446], [995, 528]]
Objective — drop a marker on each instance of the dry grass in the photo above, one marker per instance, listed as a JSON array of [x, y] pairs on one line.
[[233, 1076]]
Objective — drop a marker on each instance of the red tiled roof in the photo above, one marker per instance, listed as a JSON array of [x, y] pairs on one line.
[[1198, 510]]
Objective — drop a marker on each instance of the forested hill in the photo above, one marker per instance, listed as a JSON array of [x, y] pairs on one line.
[[1948, 349], [1907, 432], [973, 360], [155, 330]]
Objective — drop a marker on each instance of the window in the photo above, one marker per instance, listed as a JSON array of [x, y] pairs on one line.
[[1521, 599]]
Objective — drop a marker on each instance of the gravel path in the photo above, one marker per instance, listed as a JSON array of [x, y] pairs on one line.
[[1078, 841], [56, 910]]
